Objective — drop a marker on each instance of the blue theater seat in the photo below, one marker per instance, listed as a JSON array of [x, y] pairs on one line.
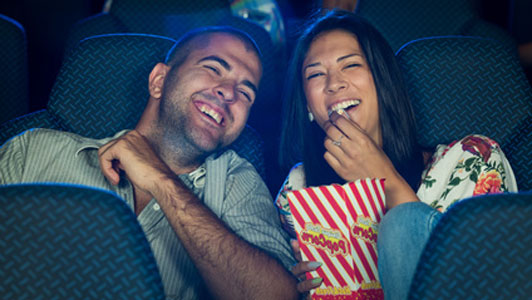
[[468, 85], [14, 90], [72, 242], [480, 249], [102, 88], [401, 21]]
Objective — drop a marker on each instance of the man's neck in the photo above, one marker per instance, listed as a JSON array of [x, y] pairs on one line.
[[180, 158]]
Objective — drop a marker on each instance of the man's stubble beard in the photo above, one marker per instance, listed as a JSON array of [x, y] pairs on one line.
[[178, 139]]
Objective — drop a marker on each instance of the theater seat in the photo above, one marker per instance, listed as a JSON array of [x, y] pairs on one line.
[[14, 90], [72, 242], [480, 249], [102, 88], [172, 19], [466, 85], [401, 21]]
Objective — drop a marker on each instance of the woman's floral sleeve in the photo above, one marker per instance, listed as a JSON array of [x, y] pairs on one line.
[[294, 181], [475, 165]]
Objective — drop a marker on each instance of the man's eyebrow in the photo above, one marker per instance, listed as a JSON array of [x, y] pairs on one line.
[[217, 59]]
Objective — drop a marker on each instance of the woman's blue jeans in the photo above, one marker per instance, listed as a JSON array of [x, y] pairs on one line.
[[403, 233]]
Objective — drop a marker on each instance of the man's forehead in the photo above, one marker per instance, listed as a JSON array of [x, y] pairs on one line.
[[219, 39], [226, 46]]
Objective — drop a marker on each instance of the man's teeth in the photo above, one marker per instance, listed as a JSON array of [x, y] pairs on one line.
[[343, 105], [211, 113]]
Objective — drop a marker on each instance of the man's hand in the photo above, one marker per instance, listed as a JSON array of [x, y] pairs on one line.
[[231, 267], [132, 154]]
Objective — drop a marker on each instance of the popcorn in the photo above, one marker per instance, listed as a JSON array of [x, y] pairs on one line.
[[338, 226]]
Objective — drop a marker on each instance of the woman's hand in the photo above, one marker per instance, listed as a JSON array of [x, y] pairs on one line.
[[301, 268], [354, 155]]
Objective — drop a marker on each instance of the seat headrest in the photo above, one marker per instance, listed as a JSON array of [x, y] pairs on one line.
[[102, 86], [465, 85]]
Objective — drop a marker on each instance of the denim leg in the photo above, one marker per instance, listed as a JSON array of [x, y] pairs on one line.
[[403, 233]]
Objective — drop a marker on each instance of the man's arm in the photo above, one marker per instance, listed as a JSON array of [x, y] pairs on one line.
[[231, 267], [12, 155]]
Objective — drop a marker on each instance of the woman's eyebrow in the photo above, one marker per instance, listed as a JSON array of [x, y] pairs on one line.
[[347, 56], [339, 59], [311, 65]]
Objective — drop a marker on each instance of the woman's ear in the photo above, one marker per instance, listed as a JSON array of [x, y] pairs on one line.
[[156, 80]]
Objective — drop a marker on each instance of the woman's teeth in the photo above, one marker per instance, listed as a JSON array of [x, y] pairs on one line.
[[342, 106]]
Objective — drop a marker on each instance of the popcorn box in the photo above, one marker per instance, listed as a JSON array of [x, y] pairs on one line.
[[337, 225]]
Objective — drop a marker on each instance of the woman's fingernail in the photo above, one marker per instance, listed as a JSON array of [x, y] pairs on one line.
[[344, 113], [317, 281], [314, 264]]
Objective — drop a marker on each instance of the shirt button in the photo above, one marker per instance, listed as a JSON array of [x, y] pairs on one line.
[[156, 206]]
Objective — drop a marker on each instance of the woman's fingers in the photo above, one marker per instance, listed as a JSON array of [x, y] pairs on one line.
[[295, 249], [306, 266], [309, 284]]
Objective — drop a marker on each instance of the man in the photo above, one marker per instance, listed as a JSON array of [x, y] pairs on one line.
[[209, 218]]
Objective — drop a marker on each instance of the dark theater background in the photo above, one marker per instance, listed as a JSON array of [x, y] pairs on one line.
[[485, 71], [48, 24]]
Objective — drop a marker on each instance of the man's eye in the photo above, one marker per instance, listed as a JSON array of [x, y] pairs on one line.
[[248, 97], [314, 75], [212, 69]]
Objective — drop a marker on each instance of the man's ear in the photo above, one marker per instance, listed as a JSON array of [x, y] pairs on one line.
[[156, 80]]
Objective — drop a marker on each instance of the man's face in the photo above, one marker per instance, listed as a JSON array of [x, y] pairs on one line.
[[206, 101]]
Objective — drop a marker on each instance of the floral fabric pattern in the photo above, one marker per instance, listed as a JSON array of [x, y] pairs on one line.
[[474, 165]]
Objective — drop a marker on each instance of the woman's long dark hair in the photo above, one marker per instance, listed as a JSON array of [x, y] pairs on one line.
[[303, 140]]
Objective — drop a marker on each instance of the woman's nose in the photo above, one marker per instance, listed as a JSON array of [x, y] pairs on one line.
[[335, 83]]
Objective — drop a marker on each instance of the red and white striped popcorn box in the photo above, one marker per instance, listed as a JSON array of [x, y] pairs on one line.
[[337, 225]]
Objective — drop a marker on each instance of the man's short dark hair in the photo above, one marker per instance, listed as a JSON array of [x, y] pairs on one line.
[[182, 48]]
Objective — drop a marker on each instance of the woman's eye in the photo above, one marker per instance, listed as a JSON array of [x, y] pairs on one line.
[[354, 65], [212, 69], [314, 75]]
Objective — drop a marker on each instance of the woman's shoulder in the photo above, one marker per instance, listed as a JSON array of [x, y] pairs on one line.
[[462, 169], [297, 174], [475, 144], [295, 179]]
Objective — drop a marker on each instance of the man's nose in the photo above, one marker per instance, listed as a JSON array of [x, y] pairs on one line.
[[225, 91]]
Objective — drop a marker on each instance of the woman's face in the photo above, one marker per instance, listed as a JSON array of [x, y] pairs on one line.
[[336, 76]]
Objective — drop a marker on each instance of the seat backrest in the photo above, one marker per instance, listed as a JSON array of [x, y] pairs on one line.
[[480, 249], [14, 90], [72, 242], [102, 88], [401, 21], [465, 85]]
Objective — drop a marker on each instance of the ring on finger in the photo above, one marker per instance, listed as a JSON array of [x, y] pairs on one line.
[[339, 141]]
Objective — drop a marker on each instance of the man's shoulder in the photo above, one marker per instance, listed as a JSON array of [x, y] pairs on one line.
[[237, 165], [44, 136], [57, 138]]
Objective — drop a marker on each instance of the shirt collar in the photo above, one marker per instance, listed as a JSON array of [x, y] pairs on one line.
[[197, 176], [93, 144]]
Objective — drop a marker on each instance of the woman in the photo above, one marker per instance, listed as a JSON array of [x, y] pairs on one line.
[[347, 116]]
